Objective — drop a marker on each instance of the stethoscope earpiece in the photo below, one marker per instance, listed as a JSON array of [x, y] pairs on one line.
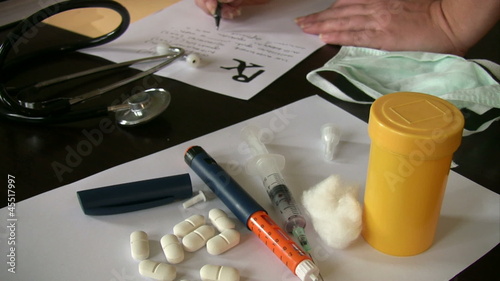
[[162, 49], [191, 59]]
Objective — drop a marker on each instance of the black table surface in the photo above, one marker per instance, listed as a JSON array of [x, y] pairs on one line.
[[39, 155]]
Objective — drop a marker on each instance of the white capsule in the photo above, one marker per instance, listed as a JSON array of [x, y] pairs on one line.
[[223, 242], [172, 248], [219, 273], [157, 270], [139, 245], [198, 238], [220, 220], [188, 225]]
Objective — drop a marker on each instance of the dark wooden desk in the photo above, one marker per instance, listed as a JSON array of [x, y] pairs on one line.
[[43, 158]]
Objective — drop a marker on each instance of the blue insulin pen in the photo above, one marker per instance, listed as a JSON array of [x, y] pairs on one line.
[[250, 213]]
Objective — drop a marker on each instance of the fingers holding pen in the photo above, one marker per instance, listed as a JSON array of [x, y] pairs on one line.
[[230, 8]]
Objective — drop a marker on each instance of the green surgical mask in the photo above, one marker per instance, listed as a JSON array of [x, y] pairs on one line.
[[464, 83]]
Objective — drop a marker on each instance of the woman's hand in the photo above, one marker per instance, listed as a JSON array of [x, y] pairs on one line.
[[404, 25]]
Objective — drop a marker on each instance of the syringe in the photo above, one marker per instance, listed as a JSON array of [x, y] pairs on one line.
[[268, 167], [249, 212]]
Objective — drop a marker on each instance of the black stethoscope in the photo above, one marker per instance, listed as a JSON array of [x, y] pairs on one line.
[[137, 109]]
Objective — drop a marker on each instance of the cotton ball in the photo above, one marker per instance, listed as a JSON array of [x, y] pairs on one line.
[[335, 211]]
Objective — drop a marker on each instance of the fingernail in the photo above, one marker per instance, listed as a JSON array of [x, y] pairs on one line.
[[234, 13], [304, 25]]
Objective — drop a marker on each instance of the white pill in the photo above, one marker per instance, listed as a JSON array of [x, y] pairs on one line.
[[139, 245], [157, 270], [198, 238], [219, 273], [172, 248], [223, 242], [188, 225], [220, 220]]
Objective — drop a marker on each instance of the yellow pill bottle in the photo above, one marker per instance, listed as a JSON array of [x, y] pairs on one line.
[[413, 138]]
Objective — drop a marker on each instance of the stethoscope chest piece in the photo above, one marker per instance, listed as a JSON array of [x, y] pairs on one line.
[[142, 107]]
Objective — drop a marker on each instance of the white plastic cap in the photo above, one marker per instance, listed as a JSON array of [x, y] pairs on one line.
[[195, 199], [330, 134], [307, 271]]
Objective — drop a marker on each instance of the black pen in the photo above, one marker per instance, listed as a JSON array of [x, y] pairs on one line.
[[218, 14]]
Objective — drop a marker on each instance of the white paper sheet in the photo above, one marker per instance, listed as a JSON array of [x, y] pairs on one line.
[[56, 241], [240, 59]]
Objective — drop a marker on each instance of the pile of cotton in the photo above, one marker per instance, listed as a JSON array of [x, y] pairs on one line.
[[335, 211]]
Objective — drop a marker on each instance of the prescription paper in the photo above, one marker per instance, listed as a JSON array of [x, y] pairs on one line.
[[56, 241], [240, 59]]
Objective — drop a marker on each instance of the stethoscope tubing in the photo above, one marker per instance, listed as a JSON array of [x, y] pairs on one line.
[[59, 111], [32, 21], [170, 58]]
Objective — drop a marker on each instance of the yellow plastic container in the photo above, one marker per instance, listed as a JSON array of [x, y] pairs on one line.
[[413, 137]]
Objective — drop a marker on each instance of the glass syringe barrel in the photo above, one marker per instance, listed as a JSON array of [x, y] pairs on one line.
[[268, 167], [281, 198]]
